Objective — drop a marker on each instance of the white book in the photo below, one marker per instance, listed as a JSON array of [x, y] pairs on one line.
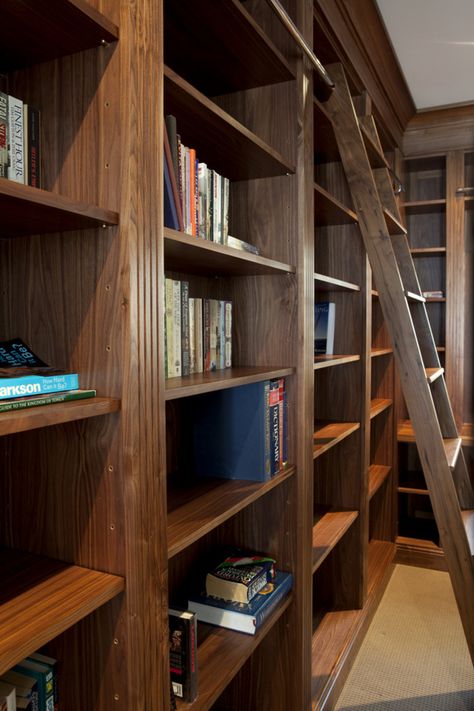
[[225, 209], [169, 328], [203, 213], [16, 150], [324, 327], [214, 329], [177, 356], [8, 695], [198, 335], [192, 337], [216, 208], [227, 334]]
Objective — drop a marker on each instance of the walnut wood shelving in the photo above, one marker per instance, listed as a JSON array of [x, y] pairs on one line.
[[41, 598], [328, 434], [418, 207], [26, 210], [234, 151], [428, 251], [329, 361], [378, 474], [66, 27], [220, 380], [329, 210], [198, 509], [324, 282], [221, 654], [377, 352], [47, 415], [199, 256], [329, 527], [378, 405]]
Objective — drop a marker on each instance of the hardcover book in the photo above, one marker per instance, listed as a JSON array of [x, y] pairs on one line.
[[3, 135], [324, 326], [43, 674], [16, 153], [23, 403], [240, 616], [230, 433], [240, 578], [27, 695], [7, 696], [53, 665], [183, 653]]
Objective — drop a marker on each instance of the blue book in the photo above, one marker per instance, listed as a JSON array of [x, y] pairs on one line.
[[230, 433], [324, 325], [26, 385], [43, 675], [243, 617]]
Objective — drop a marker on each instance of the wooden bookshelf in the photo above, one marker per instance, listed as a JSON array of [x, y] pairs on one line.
[[327, 435], [220, 380], [329, 527], [329, 361]]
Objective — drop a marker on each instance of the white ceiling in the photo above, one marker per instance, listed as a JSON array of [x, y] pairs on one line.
[[434, 43]]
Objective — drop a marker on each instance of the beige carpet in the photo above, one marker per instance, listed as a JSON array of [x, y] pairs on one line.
[[415, 656]]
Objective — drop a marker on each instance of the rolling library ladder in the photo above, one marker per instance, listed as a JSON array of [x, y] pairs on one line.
[[421, 376]]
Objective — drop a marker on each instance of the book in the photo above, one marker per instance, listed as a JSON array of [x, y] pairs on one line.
[[198, 335], [23, 403], [43, 674], [237, 243], [173, 213], [185, 331], [172, 133], [3, 135], [177, 355], [183, 653], [213, 333], [240, 577], [22, 373], [324, 327], [240, 616], [53, 665], [16, 158], [227, 334], [26, 689], [275, 425], [206, 335], [230, 433], [7, 696]]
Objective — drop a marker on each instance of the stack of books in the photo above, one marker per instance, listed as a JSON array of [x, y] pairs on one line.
[[20, 143], [241, 592], [31, 684], [27, 381]]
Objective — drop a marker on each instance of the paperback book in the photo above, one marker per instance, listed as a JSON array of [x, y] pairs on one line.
[[324, 327], [183, 653], [242, 617]]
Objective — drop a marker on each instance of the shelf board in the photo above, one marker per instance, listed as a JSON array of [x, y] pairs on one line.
[[219, 139], [394, 226], [220, 380], [467, 433], [328, 434], [46, 415], [469, 202], [378, 405], [328, 210], [328, 361], [412, 488], [327, 283], [376, 352], [374, 154], [334, 637], [428, 252], [29, 211], [193, 255], [195, 510], [452, 445], [40, 598], [418, 207], [378, 474], [66, 27], [225, 69], [436, 300], [329, 526], [221, 654]]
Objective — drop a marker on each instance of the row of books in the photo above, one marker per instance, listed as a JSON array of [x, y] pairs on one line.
[[31, 684], [198, 332], [196, 197], [241, 432], [27, 381], [20, 142], [238, 593]]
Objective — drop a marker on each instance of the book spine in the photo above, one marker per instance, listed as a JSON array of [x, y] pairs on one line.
[[198, 334], [267, 434], [196, 197], [225, 210], [214, 332], [202, 189], [227, 334], [16, 167], [221, 339], [181, 174], [274, 405], [192, 192], [37, 385], [273, 601], [237, 243], [66, 396], [3, 135], [210, 205], [206, 334], [171, 128], [34, 147], [192, 335], [169, 327], [217, 211], [283, 424], [192, 689], [185, 345], [177, 328]]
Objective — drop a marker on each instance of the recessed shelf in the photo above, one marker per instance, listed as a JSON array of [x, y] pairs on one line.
[[193, 255], [394, 226], [379, 405], [48, 29], [328, 210], [328, 361], [376, 352], [40, 598], [220, 380], [418, 207], [215, 61], [428, 252], [220, 140], [378, 474], [329, 526], [30, 211], [452, 445], [327, 283], [56, 414], [221, 653], [375, 155], [328, 434], [195, 510], [412, 488]]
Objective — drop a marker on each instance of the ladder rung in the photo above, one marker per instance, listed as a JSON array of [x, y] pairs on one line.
[[414, 297], [452, 447], [433, 373], [468, 520]]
